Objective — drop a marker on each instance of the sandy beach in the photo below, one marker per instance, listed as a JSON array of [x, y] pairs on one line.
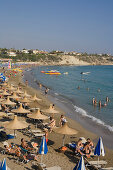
[[66, 160]]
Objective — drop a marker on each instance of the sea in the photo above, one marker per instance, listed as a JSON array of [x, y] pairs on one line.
[[95, 82]]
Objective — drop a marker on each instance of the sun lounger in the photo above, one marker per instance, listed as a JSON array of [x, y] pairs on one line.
[[72, 145], [97, 164], [109, 168], [53, 168], [38, 134], [24, 150], [36, 131], [42, 166]]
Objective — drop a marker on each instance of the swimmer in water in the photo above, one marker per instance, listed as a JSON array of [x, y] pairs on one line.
[[98, 90], [100, 104], [107, 99], [88, 89], [78, 87], [93, 101]]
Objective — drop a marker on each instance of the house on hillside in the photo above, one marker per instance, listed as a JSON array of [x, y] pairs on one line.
[[11, 54], [25, 51]]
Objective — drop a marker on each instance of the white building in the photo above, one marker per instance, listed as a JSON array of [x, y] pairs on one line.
[[11, 54], [25, 51]]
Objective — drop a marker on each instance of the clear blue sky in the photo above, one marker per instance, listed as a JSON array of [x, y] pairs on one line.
[[79, 25]]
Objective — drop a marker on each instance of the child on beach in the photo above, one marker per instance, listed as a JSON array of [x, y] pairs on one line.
[[62, 120]]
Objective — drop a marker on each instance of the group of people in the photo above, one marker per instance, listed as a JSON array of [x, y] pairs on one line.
[[94, 102], [52, 122], [23, 150], [84, 148]]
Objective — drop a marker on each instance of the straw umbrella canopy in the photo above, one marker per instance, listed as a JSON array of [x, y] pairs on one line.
[[50, 110], [11, 88], [25, 94], [8, 102], [14, 96], [25, 100], [4, 84], [5, 93], [38, 115], [35, 98], [18, 91], [2, 114], [15, 124], [1, 100], [65, 130], [20, 110]]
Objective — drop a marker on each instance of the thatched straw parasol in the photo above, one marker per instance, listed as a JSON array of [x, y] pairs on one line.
[[14, 96], [8, 102], [25, 100], [50, 110], [11, 88], [65, 130], [4, 84], [2, 114], [15, 124], [18, 91], [20, 110], [5, 93], [25, 94], [35, 98], [1, 100], [37, 115]]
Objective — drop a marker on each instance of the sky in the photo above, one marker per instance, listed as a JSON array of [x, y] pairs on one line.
[[67, 25]]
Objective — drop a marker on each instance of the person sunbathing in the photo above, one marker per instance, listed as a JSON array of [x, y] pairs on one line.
[[25, 145], [26, 156], [90, 143], [51, 125], [87, 150], [79, 147], [9, 149]]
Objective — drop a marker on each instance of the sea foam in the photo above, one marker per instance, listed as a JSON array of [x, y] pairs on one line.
[[94, 119]]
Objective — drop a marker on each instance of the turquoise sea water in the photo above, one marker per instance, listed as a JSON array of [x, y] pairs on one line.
[[98, 83]]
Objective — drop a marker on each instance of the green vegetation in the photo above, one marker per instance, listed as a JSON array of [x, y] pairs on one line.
[[53, 56], [31, 57]]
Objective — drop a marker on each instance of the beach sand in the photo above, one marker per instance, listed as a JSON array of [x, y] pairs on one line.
[[66, 160]]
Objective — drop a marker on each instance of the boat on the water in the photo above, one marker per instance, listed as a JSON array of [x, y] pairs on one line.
[[85, 73], [51, 72]]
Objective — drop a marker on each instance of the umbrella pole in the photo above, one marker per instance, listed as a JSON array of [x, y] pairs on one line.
[[63, 140], [41, 158], [98, 160]]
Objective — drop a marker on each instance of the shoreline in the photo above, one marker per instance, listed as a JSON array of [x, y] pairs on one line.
[[84, 126], [85, 121], [55, 140]]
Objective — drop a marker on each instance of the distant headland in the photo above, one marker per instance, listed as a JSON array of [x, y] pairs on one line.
[[54, 57]]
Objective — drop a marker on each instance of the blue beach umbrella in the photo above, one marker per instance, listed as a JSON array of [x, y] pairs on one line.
[[1, 74], [99, 150], [80, 165], [43, 147], [3, 165]]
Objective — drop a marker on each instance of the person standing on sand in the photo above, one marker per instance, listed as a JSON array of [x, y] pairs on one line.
[[46, 91], [26, 82]]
